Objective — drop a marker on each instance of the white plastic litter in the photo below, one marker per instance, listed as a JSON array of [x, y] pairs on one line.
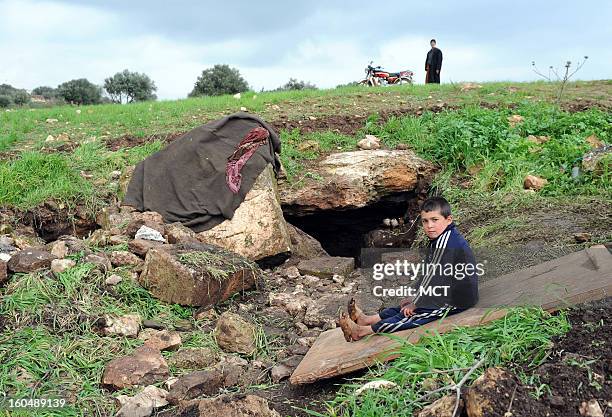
[[148, 233]]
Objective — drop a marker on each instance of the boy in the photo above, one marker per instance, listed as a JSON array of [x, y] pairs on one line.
[[449, 263]]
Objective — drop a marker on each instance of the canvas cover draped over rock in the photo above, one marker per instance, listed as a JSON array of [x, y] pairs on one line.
[[186, 181]]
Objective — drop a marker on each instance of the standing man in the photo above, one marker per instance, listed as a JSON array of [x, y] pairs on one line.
[[433, 64]]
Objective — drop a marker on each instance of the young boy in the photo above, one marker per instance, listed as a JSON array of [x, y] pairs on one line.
[[449, 264]]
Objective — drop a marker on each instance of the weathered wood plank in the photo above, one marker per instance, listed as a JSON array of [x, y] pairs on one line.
[[577, 277]]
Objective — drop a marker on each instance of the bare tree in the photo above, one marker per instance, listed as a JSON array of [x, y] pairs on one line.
[[553, 74]]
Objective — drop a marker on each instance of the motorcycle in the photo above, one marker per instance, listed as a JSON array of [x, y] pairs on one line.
[[377, 76]]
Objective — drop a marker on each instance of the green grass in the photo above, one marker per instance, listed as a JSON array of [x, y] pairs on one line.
[[522, 337]]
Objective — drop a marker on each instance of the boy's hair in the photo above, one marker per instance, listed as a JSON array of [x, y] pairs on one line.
[[433, 40], [437, 204]]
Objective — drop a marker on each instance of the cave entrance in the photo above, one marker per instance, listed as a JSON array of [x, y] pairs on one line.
[[347, 232]]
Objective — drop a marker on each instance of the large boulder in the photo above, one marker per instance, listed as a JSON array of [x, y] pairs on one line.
[[196, 274], [145, 366], [258, 230], [350, 180]]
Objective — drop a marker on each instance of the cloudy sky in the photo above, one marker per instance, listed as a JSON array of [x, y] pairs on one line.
[[326, 42]]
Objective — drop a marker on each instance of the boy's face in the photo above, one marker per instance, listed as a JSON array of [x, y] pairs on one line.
[[434, 223]]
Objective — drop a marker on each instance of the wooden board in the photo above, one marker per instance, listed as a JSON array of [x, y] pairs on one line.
[[574, 278]]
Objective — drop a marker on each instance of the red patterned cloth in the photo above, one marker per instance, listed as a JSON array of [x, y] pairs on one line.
[[245, 149]]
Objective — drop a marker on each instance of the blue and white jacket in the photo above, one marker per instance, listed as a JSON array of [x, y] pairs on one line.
[[450, 263]]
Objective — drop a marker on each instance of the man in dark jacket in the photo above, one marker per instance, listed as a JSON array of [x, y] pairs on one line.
[[433, 64]]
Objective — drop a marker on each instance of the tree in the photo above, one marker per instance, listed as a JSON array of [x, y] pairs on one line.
[[221, 79], [294, 84], [80, 91], [21, 98], [5, 101], [130, 86], [46, 92]]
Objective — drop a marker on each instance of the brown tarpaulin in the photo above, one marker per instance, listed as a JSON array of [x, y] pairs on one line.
[[185, 182]]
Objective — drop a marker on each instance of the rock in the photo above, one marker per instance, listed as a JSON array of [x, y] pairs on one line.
[[151, 324], [590, 409], [327, 266], [369, 142], [49, 138], [481, 396], [148, 233], [196, 358], [193, 385], [303, 245], [556, 401], [143, 403], [532, 182], [99, 238], [582, 237], [236, 96], [178, 233], [376, 384], [515, 119], [208, 314], [100, 260], [59, 249], [30, 260], [183, 325], [165, 340], [351, 180], [196, 274], [115, 175], [442, 407], [145, 366], [3, 272], [60, 265], [234, 334], [231, 406], [594, 142], [597, 160], [151, 219], [292, 272], [470, 86], [285, 368], [113, 280], [309, 146], [141, 247], [257, 230], [51, 120], [538, 140], [127, 325], [125, 258], [295, 305]]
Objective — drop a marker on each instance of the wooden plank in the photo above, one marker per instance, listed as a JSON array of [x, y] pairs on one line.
[[577, 277]]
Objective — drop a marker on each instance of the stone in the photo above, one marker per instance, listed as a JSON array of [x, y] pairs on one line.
[[292, 272], [141, 247], [143, 403], [257, 230], [59, 249], [183, 325], [30, 260], [196, 274], [582, 237], [234, 334], [148, 233], [594, 142], [3, 272], [285, 368], [127, 325], [327, 266], [100, 260], [597, 160], [369, 142], [114, 279], [350, 180], [309, 145], [165, 340], [145, 366], [150, 219], [538, 140], [195, 384], [532, 182], [590, 409], [480, 399], [99, 238], [207, 314], [115, 175], [125, 258], [194, 358], [60, 265], [515, 119], [231, 406], [179, 233], [303, 245], [152, 324], [470, 86], [442, 407]]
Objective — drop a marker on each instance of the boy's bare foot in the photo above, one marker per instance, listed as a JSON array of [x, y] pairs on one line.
[[344, 324], [355, 313]]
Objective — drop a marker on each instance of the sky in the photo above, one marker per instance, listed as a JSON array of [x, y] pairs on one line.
[[325, 42]]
